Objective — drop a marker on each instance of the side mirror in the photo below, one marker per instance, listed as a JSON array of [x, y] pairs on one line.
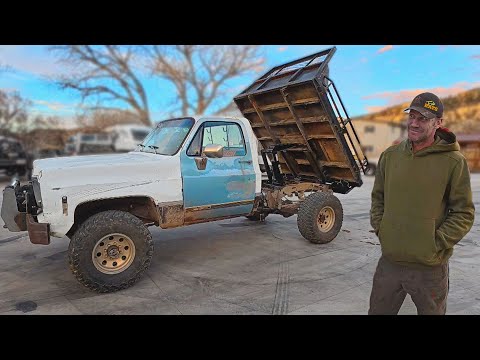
[[213, 151]]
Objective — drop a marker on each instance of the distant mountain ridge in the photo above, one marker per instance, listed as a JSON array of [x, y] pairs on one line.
[[461, 114]]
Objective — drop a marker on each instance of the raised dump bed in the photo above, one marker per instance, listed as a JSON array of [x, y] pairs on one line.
[[299, 118]]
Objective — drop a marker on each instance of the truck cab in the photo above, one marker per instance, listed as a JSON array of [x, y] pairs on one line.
[[186, 171]]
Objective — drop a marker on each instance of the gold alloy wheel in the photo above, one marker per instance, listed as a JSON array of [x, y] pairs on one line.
[[326, 219], [113, 253]]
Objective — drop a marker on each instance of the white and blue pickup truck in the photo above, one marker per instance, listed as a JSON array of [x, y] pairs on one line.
[[191, 170]]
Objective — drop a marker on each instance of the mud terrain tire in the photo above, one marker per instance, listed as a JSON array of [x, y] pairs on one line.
[[320, 217], [110, 251]]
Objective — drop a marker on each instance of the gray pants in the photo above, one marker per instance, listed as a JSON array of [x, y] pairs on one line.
[[392, 282]]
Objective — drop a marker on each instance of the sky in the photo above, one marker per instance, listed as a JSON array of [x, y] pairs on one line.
[[368, 77]]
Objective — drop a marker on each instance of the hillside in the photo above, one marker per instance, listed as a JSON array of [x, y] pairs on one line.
[[461, 115]]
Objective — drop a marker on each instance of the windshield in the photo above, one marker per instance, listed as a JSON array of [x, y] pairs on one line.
[[167, 137]]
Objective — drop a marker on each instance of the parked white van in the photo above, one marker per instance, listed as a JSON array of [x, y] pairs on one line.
[[91, 143], [127, 137]]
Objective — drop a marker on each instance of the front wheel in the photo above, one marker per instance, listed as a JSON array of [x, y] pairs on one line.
[[110, 251], [320, 217]]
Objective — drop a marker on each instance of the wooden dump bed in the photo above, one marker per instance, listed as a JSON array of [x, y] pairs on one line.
[[295, 110]]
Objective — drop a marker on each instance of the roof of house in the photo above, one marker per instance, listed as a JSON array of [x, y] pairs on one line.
[[391, 123], [471, 137]]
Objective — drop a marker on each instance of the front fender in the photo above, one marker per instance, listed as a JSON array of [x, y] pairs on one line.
[[61, 216]]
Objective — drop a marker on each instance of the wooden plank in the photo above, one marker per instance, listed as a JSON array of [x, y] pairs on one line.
[[335, 164], [311, 155], [295, 138], [310, 137], [295, 149], [302, 161], [303, 91], [318, 128], [291, 163], [260, 115], [292, 139], [324, 163], [280, 105], [307, 173], [333, 150], [291, 121]]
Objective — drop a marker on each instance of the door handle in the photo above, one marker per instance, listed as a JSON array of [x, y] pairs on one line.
[[245, 161]]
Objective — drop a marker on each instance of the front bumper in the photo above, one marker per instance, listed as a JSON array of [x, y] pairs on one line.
[[16, 220], [39, 233]]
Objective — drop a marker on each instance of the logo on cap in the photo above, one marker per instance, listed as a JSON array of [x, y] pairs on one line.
[[430, 105]]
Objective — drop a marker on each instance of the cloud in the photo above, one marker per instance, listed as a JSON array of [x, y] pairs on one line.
[[364, 60], [33, 59], [385, 49], [476, 57], [443, 47], [55, 106], [10, 90], [282, 48], [11, 74], [259, 68], [402, 96], [373, 109]]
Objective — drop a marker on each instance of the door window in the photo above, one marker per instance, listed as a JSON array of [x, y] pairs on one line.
[[228, 135]]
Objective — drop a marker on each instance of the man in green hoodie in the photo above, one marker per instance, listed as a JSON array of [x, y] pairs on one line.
[[421, 207]]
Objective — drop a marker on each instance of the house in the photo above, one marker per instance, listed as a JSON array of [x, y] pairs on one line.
[[470, 148], [376, 136]]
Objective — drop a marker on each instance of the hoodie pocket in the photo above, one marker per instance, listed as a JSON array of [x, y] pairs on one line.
[[409, 239]]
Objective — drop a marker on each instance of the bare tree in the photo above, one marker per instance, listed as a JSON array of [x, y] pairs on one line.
[[104, 72], [13, 111], [48, 122], [102, 118], [200, 73], [29, 132], [3, 68]]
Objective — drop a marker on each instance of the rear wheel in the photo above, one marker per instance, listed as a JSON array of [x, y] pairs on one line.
[[110, 251], [320, 217]]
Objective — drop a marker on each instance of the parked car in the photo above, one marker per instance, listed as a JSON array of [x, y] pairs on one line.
[[13, 158], [126, 137], [93, 143]]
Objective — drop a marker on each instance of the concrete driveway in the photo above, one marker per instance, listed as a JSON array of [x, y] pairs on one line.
[[232, 267]]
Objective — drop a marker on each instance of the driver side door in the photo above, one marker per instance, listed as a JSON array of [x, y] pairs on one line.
[[222, 187]]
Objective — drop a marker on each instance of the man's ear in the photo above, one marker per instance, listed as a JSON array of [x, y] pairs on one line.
[[438, 123]]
